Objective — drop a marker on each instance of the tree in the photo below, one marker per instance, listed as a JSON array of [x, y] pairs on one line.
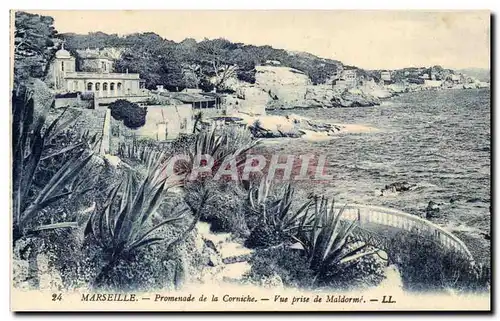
[[215, 55], [191, 74], [194, 64], [34, 46], [132, 115]]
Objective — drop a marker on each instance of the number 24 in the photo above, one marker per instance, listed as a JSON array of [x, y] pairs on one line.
[[57, 297]]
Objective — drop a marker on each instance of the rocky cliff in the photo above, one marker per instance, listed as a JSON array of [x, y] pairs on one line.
[[282, 88]]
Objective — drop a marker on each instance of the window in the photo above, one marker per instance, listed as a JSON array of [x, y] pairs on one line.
[[119, 86], [89, 86], [62, 65], [103, 65], [97, 86], [112, 86], [105, 86]]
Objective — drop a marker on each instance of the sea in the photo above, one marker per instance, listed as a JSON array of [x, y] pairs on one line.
[[438, 141]]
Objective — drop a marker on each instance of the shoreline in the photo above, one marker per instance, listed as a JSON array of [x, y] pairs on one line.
[[381, 99]]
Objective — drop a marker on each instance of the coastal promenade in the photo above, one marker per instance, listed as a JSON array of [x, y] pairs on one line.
[[386, 222]]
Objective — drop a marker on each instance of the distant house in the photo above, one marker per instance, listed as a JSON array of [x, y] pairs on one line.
[[451, 80], [385, 76], [198, 100], [96, 75], [167, 122], [456, 79], [425, 77], [347, 79]]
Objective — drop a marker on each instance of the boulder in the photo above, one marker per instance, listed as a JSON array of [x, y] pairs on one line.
[[355, 99], [397, 187], [432, 210]]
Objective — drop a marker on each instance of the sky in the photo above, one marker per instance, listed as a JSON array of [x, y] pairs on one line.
[[367, 39]]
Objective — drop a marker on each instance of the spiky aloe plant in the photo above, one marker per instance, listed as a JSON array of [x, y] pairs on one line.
[[123, 224], [277, 213], [276, 219], [29, 141], [140, 152], [221, 147], [325, 238]]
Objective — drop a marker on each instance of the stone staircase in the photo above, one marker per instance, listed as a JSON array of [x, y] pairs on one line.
[[234, 255]]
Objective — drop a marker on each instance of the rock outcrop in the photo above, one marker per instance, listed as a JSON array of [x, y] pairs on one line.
[[398, 187], [283, 88], [326, 96], [293, 126]]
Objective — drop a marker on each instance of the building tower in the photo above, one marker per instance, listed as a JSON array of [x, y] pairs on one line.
[[63, 63]]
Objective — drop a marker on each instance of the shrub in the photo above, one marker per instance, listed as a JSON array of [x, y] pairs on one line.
[[145, 270], [132, 115], [224, 209], [426, 265], [182, 144], [206, 85], [61, 148], [238, 136], [29, 141], [290, 265], [67, 95], [246, 75], [364, 271], [87, 95]]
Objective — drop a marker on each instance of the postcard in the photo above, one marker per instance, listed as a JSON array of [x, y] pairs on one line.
[[250, 160]]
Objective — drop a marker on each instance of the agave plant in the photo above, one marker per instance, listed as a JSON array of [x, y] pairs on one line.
[[123, 225], [325, 239], [30, 139], [221, 148], [276, 221], [277, 213], [141, 152]]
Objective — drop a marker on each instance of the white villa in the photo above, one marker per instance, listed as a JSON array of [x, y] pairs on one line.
[[96, 75]]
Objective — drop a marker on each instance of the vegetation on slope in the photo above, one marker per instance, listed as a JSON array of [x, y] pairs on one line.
[[191, 64], [35, 44]]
